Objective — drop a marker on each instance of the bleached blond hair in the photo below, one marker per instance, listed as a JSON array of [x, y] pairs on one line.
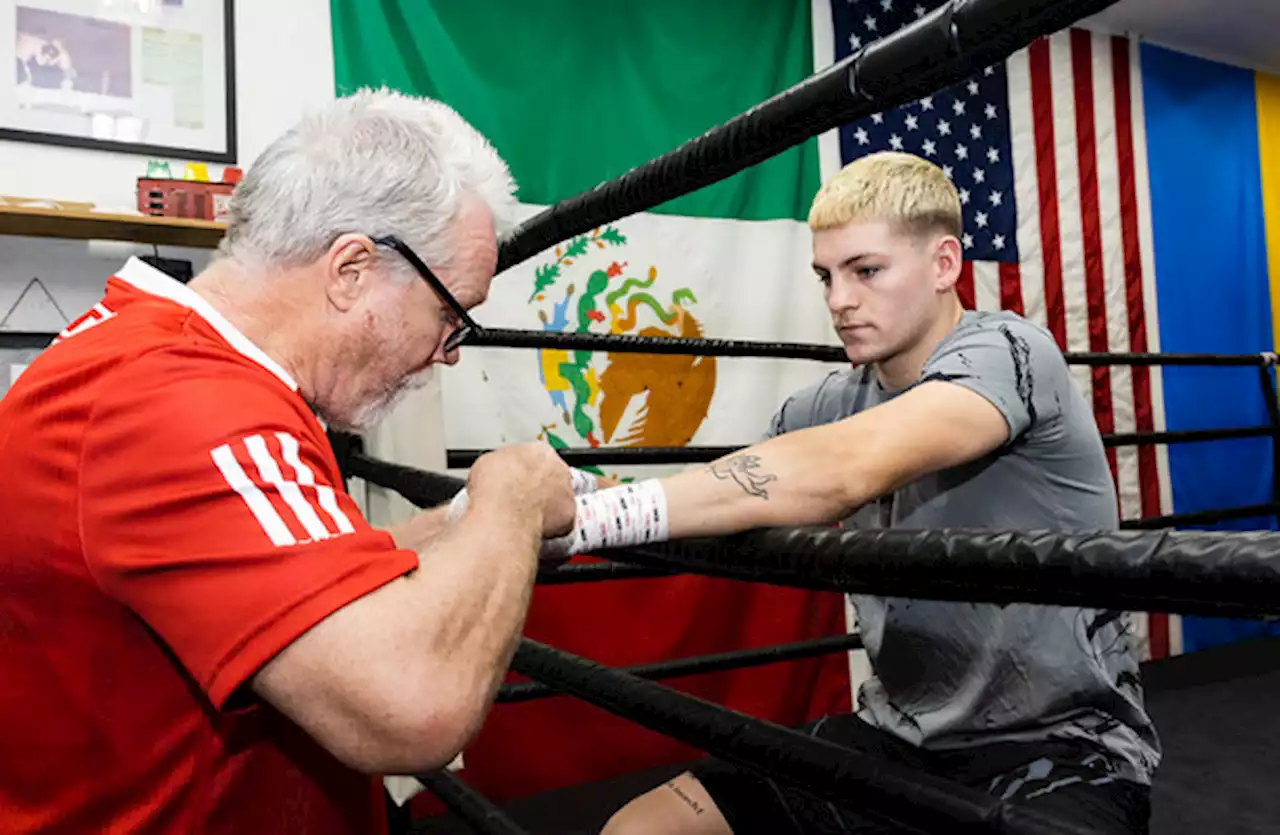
[[908, 192]]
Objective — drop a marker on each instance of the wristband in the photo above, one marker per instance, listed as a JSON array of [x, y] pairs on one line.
[[633, 514]]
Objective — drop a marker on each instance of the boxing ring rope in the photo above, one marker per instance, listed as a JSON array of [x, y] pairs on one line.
[[523, 691], [653, 456], [822, 768], [1223, 574], [474, 808]]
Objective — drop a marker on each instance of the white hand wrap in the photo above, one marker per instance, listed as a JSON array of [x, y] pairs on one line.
[[583, 484], [633, 514]]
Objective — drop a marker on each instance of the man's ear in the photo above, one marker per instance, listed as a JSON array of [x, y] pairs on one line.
[[948, 259], [348, 267]]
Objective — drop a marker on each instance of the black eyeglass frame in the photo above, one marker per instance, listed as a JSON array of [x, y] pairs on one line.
[[467, 327]]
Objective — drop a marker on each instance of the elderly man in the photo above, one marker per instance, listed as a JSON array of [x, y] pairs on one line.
[[198, 632]]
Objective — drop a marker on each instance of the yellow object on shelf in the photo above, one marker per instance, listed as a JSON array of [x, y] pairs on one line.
[[197, 172]]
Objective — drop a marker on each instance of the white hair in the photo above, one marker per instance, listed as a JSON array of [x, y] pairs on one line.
[[376, 162]]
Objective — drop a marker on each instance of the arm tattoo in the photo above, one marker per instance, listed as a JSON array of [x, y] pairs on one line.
[[688, 801], [742, 469]]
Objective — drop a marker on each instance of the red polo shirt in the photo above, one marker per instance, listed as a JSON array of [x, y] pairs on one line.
[[172, 518]]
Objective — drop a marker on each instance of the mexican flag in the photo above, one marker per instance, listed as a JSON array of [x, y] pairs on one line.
[[551, 86]]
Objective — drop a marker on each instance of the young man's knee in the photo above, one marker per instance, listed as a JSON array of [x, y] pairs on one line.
[[678, 807]]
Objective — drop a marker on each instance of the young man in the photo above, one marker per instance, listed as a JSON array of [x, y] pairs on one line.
[[947, 419]]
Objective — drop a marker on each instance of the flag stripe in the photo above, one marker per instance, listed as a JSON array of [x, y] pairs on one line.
[[1090, 233], [986, 285], [1047, 178], [1011, 288], [1158, 625], [259, 505], [269, 472], [1134, 163], [1031, 274], [1112, 266], [325, 494], [964, 286], [1070, 235], [1144, 418]]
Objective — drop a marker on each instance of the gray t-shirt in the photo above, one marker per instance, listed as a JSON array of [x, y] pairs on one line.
[[951, 675]]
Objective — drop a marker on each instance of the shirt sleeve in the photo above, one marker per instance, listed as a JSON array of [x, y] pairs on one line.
[[1013, 365], [211, 506]]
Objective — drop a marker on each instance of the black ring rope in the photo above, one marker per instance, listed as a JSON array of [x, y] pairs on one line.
[[807, 763], [945, 46], [475, 809], [706, 347], [590, 572], [1202, 517], [658, 456], [523, 691], [1226, 574]]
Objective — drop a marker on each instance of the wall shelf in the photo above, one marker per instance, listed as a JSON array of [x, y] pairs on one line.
[[88, 225]]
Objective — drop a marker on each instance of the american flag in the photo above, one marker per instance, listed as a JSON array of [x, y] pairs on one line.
[[1047, 151]]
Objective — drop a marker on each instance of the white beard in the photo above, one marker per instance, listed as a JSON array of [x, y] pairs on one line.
[[376, 410]]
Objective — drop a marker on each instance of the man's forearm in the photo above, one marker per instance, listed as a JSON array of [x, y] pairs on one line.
[[796, 479], [472, 588]]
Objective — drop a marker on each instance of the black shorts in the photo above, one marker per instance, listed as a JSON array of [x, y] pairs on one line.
[[1069, 781]]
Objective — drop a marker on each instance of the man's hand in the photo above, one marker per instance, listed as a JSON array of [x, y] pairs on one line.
[[527, 476]]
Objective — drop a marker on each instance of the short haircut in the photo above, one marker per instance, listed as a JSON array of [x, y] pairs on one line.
[[909, 193], [376, 162]]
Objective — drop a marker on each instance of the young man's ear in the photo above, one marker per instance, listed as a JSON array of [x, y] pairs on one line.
[[948, 259]]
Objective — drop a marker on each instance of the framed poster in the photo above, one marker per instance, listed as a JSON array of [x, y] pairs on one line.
[[149, 77]]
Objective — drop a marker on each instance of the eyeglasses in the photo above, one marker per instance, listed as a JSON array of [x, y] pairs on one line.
[[467, 327]]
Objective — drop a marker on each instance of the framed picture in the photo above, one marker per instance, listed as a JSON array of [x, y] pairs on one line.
[[148, 77]]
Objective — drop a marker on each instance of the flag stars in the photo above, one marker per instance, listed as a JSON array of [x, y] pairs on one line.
[[989, 71], [998, 242], [958, 107], [930, 148], [944, 127], [949, 172], [877, 118], [973, 88], [975, 131], [996, 198], [926, 103], [861, 135], [991, 111], [855, 43], [870, 23], [919, 10], [964, 197], [993, 156], [981, 219], [962, 152], [913, 122], [979, 176], [895, 142], [968, 240], [887, 5]]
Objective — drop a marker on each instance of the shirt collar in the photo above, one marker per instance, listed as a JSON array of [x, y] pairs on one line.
[[148, 279]]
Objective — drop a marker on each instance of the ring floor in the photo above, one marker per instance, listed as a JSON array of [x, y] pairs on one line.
[[1218, 712]]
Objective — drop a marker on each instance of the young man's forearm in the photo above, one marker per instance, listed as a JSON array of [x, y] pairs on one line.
[[796, 479]]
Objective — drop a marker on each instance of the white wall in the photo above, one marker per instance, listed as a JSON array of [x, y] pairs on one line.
[[284, 64]]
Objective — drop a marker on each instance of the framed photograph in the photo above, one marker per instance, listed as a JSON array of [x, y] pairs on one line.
[[148, 77]]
